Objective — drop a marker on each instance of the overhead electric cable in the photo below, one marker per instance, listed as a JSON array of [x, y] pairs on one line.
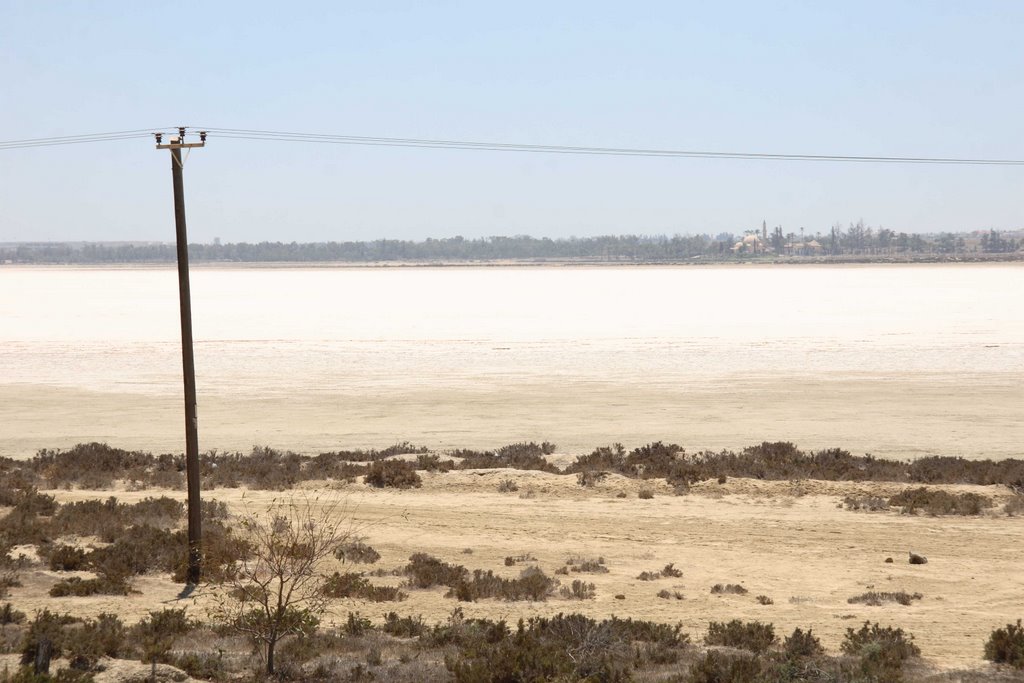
[[321, 138], [76, 139], [423, 143]]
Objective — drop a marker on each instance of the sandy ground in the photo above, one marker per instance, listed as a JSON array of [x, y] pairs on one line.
[[888, 416], [790, 541]]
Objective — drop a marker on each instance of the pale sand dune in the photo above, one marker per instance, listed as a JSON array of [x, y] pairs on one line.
[[974, 416], [780, 539]]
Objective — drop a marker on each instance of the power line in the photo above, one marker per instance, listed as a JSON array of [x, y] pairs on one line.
[[473, 145], [321, 138], [76, 139]]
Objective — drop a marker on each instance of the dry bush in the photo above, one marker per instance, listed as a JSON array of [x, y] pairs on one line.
[[936, 502], [394, 474], [1014, 506], [79, 587], [669, 570], [582, 565], [752, 635], [513, 560], [9, 615], [877, 598], [764, 600], [866, 503], [533, 585], [667, 594], [278, 589], [357, 551], [728, 588], [353, 585], [645, 494], [578, 590], [519, 456], [507, 486]]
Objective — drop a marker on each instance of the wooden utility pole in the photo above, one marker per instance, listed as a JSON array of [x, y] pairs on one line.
[[195, 534]]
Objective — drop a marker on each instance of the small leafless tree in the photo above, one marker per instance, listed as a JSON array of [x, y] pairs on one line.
[[277, 590]]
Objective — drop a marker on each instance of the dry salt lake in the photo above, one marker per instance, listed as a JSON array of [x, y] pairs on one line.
[[895, 360]]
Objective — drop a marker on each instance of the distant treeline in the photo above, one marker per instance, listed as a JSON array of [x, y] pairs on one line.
[[856, 241]]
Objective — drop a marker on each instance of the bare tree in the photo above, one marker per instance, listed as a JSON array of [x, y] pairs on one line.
[[277, 590]]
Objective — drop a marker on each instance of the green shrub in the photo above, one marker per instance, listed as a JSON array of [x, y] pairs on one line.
[[393, 473], [158, 632], [881, 651], [1006, 646], [353, 585], [720, 667], [45, 625], [103, 636], [752, 635], [357, 624], [802, 644], [403, 627], [65, 558], [425, 571], [79, 587]]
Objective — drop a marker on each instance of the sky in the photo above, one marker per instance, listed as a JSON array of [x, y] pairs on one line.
[[893, 78]]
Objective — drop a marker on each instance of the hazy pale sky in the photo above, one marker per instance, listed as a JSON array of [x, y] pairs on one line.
[[923, 78]]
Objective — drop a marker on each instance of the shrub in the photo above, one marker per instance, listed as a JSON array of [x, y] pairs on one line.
[[764, 600], [729, 588], [356, 551], [1006, 646], [719, 667], [578, 590], [513, 560], [533, 584], [394, 474], [9, 615], [580, 565], [564, 647], [867, 503], [100, 637], [430, 462], [46, 625], [890, 640], [645, 494], [403, 627], [752, 635], [936, 502], [667, 594], [157, 632], [65, 558], [425, 571], [507, 486], [649, 576], [520, 456], [1014, 506], [352, 585], [802, 644], [671, 571], [590, 478], [357, 624], [877, 598], [78, 587]]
